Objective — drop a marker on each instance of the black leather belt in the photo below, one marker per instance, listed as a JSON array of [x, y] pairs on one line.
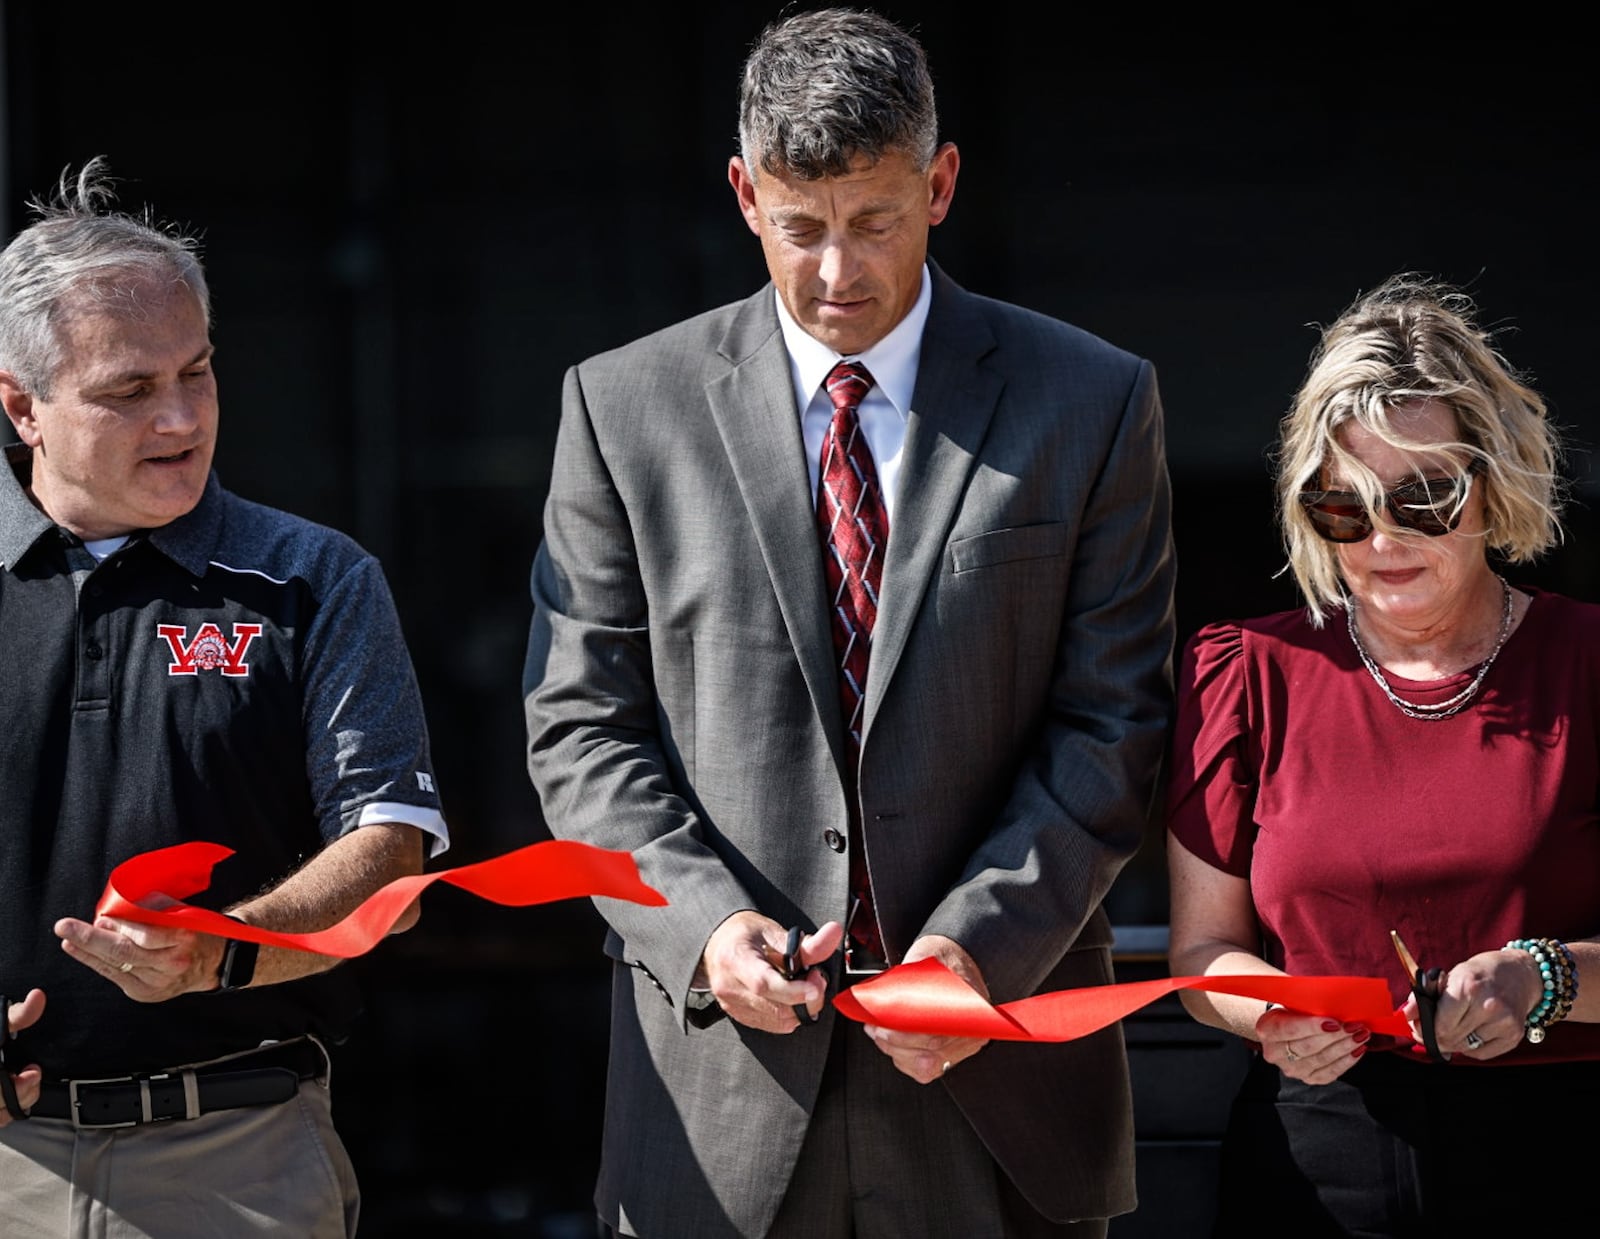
[[262, 1077]]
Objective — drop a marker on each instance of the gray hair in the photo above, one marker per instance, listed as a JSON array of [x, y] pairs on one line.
[[79, 249], [1415, 339], [821, 88]]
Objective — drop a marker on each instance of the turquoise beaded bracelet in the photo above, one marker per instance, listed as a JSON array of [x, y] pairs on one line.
[[1558, 973]]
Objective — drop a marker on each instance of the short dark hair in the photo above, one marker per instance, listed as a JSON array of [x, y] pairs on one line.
[[824, 87]]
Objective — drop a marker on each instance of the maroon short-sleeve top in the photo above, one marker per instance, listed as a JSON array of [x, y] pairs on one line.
[[1291, 768]]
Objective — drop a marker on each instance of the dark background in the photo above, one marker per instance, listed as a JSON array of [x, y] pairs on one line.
[[413, 226]]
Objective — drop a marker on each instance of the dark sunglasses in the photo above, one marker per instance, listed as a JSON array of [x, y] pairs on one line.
[[1431, 506]]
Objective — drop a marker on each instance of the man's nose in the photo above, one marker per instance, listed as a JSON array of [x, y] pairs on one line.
[[840, 265], [178, 411]]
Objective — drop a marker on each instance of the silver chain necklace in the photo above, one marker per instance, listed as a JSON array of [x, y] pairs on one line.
[[1443, 709]]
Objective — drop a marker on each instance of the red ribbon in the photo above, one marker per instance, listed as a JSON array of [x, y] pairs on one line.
[[926, 997], [538, 873]]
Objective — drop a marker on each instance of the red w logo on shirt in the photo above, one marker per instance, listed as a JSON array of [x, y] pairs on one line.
[[208, 651]]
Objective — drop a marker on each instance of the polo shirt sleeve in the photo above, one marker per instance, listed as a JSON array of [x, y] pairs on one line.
[[1211, 792], [367, 753]]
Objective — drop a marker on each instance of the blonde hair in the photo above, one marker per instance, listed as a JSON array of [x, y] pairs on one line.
[[1414, 339]]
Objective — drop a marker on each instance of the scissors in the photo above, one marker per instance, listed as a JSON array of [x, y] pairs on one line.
[[793, 969], [1427, 986], [8, 1090]]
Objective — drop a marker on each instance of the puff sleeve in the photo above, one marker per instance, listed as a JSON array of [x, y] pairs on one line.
[[1211, 793]]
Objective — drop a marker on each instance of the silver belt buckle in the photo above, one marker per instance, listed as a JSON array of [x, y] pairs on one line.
[[858, 963], [72, 1098]]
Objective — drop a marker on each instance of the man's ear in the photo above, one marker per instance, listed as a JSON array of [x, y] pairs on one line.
[[942, 181], [19, 408], [744, 188]]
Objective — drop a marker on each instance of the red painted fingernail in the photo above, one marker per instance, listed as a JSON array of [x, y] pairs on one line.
[[1330, 1026], [1358, 1051], [1363, 1036]]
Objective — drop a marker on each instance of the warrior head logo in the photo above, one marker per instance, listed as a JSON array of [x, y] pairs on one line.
[[209, 651]]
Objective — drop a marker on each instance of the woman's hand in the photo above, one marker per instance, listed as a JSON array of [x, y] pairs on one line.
[[1484, 1005], [1312, 1048]]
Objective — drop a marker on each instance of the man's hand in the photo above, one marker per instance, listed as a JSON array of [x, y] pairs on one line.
[[152, 963], [22, 1015], [742, 967], [148, 963], [922, 1057]]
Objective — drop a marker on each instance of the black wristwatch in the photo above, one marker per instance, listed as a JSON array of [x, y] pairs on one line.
[[238, 963]]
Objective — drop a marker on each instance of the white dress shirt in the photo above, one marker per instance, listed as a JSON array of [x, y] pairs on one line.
[[892, 362]]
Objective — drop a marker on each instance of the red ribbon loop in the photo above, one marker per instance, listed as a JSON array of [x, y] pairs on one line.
[[539, 873]]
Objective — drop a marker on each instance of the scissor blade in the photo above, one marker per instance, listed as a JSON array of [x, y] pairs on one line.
[[1413, 973]]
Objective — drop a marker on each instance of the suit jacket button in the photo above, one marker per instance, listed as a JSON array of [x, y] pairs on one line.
[[833, 839]]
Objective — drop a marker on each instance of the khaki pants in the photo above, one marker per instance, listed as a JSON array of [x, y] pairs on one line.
[[261, 1170]]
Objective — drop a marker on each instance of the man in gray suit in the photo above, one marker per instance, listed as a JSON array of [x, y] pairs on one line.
[[880, 656]]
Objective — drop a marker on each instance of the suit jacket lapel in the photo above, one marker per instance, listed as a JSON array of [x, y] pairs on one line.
[[753, 407], [952, 405]]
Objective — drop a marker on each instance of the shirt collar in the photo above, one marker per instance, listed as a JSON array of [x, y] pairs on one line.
[[191, 540], [187, 541], [21, 523], [892, 361]]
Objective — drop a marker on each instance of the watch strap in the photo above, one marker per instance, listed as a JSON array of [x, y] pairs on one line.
[[238, 967]]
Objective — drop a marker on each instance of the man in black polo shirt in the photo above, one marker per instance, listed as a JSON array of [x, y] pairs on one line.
[[176, 664]]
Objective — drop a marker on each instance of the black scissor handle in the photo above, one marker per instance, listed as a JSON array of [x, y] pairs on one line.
[[794, 969], [8, 1090], [1427, 986]]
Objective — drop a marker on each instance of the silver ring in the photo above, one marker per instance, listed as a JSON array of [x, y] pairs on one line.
[[126, 967], [1474, 1042], [1290, 1054]]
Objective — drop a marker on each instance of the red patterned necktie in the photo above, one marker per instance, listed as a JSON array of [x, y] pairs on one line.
[[855, 532]]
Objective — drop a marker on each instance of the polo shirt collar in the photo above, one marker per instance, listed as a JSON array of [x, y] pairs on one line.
[[187, 541], [21, 524], [191, 540]]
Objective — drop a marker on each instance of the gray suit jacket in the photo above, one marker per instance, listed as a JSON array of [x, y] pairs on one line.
[[682, 704]]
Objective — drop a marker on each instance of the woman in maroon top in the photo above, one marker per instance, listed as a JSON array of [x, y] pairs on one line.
[[1417, 751]]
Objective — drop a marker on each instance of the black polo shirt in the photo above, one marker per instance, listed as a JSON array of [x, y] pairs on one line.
[[236, 676]]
